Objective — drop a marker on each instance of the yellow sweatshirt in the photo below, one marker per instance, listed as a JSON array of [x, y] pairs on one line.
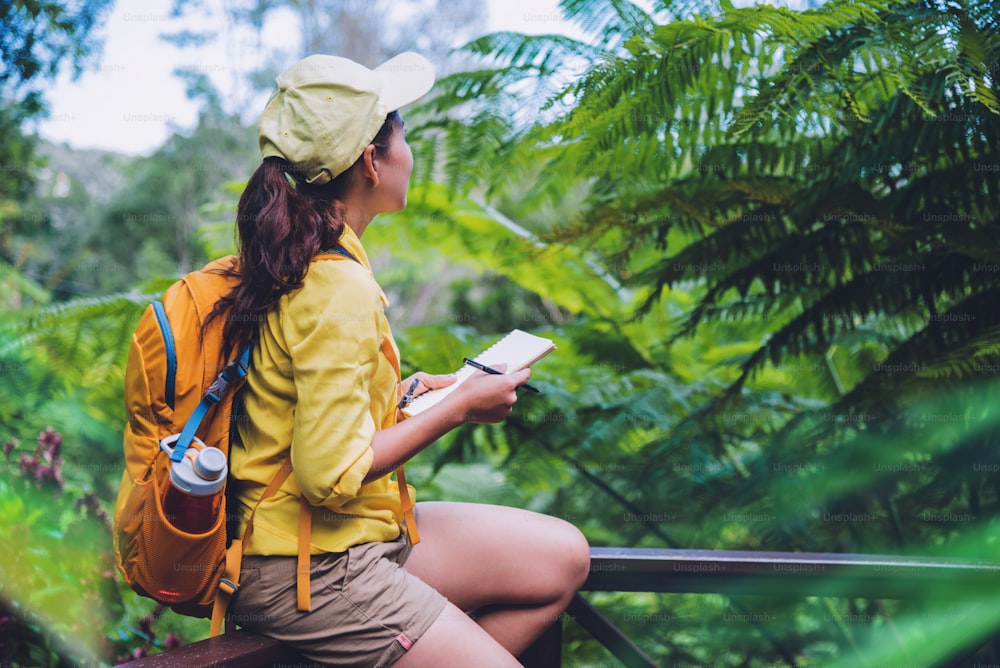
[[320, 386]]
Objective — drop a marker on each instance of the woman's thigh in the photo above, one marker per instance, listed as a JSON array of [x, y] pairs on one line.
[[481, 555]]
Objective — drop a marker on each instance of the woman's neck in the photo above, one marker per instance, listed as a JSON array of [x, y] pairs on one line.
[[356, 216]]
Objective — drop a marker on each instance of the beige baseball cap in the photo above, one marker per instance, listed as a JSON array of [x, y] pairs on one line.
[[325, 110]]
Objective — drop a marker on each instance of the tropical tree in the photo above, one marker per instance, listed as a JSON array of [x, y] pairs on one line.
[[37, 41], [802, 205]]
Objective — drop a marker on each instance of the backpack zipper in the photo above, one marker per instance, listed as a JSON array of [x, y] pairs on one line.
[[168, 342]]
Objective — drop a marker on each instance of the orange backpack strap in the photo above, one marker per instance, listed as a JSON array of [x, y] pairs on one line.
[[304, 599], [302, 567], [339, 252], [404, 493], [229, 583], [404, 497]]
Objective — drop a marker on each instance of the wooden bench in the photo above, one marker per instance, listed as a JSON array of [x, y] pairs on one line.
[[774, 574]]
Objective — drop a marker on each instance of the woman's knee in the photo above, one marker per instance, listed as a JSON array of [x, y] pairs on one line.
[[540, 556], [561, 559], [572, 550]]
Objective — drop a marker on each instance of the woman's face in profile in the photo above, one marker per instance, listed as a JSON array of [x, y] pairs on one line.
[[394, 168]]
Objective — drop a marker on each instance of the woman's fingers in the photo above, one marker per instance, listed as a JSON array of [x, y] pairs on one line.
[[428, 381]]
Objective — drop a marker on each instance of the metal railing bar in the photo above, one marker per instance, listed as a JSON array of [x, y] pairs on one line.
[[608, 634]]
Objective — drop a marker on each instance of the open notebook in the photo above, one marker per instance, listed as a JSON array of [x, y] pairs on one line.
[[518, 349]]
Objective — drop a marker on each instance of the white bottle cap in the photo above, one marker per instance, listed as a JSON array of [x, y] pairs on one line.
[[184, 476], [210, 463]]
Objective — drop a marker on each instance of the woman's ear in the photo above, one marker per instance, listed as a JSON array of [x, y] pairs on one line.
[[368, 170]]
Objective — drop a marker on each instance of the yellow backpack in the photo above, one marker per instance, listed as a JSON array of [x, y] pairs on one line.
[[176, 382]]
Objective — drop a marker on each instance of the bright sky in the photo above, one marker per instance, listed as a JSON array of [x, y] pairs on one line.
[[131, 102]]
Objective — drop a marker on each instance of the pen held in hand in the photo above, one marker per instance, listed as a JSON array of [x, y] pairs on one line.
[[408, 397], [482, 367]]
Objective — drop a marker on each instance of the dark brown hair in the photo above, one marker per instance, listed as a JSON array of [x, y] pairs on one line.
[[282, 223]]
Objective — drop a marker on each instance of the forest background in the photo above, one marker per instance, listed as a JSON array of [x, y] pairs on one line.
[[765, 240]]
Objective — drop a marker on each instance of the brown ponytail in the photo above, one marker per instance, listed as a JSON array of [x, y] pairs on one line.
[[282, 222]]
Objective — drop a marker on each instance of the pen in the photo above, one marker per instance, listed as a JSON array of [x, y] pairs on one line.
[[488, 369], [408, 397]]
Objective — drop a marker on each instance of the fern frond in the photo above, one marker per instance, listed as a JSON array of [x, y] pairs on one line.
[[57, 323], [544, 54], [607, 18]]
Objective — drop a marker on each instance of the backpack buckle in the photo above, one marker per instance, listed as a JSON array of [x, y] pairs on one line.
[[217, 389], [228, 586], [237, 367]]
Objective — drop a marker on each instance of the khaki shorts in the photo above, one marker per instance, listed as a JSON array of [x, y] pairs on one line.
[[366, 609]]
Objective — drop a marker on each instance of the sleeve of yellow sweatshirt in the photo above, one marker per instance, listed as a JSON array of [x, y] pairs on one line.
[[332, 330]]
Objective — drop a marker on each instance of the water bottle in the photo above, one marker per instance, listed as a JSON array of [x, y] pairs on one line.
[[193, 499]]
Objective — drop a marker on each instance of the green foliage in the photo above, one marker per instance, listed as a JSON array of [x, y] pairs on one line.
[[802, 207], [40, 36], [63, 365], [38, 39], [167, 200], [764, 241], [60, 575], [59, 595]]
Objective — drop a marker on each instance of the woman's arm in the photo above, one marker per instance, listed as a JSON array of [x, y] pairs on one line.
[[482, 399]]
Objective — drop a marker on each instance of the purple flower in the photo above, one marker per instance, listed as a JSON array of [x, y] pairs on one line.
[[91, 505], [8, 448], [48, 443], [27, 464]]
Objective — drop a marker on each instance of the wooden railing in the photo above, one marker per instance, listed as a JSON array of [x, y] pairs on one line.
[[774, 574]]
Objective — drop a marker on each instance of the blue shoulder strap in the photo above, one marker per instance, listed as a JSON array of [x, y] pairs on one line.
[[339, 250], [236, 370]]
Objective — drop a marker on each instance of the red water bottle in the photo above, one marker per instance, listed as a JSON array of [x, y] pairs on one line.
[[193, 499]]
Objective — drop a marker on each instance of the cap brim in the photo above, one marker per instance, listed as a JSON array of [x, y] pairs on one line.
[[405, 79]]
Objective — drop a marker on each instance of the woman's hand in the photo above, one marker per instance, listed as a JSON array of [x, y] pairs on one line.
[[421, 382], [487, 398], [483, 398], [428, 382]]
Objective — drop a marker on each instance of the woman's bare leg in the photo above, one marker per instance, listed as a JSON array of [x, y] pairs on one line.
[[512, 570], [456, 641]]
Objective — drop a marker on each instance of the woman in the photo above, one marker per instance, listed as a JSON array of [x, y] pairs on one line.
[[324, 392]]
